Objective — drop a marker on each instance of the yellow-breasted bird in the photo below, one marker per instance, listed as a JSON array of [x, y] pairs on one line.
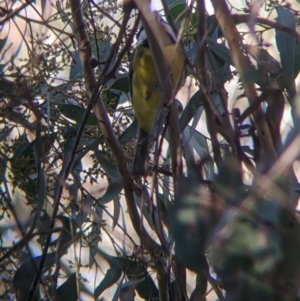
[[146, 89]]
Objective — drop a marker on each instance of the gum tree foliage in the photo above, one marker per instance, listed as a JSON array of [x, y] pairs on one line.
[[64, 99]]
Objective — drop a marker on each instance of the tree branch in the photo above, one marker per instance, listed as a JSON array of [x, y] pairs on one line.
[[267, 153], [245, 18]]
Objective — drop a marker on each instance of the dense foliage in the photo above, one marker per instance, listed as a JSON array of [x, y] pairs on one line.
[[215, 218]]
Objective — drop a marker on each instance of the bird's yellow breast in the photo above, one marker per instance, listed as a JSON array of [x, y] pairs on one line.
[[146, 90]]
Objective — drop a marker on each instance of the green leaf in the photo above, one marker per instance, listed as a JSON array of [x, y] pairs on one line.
[[220, 50], [286, 43], [111, 193], [241, 249], [177, 9], [164, 204], [3, 164], [191, 52], [104, 48], [129, 133], [110, 168], [24, 149], [68, 290], [91, 145], [81, 216], [5, 133], [229, 181], [191, 221], [3, 42], [118, 89], [112, 275], [117, 211], [116, 296], [146, 288], [219, 67], [145, 208], [297, 59], [76, 113], [190, 110], [121, 84], [172, 2], [76, 68], [26, 272], [127, 292], [200, 144], [43, 5], [212, 26], [200, 289], [217, 100], [30, 186]]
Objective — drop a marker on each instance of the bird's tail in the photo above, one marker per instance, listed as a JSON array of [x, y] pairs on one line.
[[141, 159]]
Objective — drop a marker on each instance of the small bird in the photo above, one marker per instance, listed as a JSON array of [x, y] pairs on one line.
[[146, 89]]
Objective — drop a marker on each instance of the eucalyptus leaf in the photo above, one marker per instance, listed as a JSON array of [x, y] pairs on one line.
[[285, 42], [3, 42], [110, 168], [76, 113], [129, 133], [76, 68], [117, 210], [134, 270], [190, 110], [68, 290], [121, 84], [112, 275], [178, 9], [5, 133], [220, 50], [25, 274], [111, 193]]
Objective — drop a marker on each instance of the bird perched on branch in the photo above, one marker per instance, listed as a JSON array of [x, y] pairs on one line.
[[147, 91]]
